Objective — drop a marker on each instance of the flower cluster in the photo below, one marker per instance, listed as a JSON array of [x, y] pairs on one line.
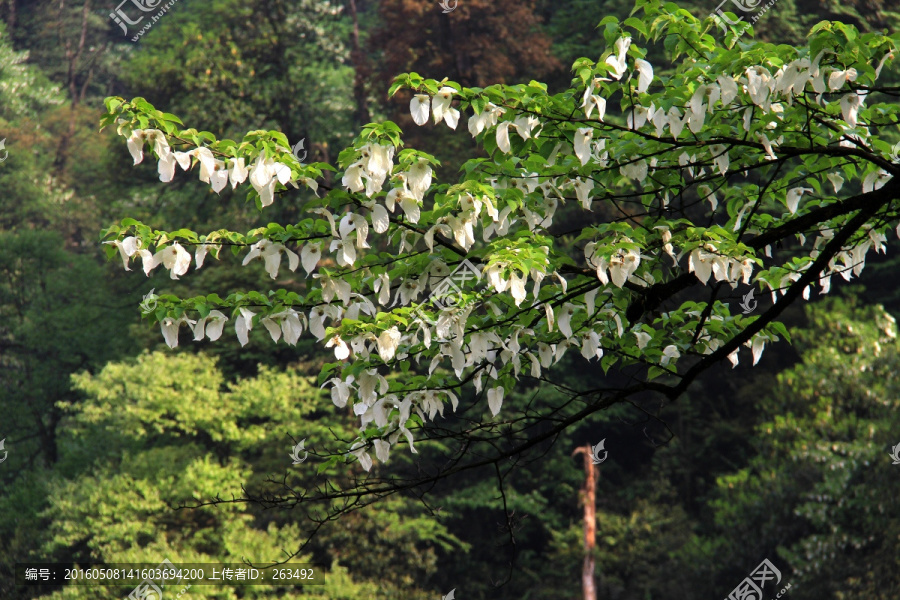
[[684, 181], [263, 173]]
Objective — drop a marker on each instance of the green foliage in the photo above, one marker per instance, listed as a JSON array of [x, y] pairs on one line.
[[162, 432], [24, 90], [229, 63], [54, 320], [819, 490]]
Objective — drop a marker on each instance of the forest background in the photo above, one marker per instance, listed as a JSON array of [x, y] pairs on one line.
[[108, 431]]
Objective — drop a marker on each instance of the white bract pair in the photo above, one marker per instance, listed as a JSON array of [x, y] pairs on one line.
[[440, 107]]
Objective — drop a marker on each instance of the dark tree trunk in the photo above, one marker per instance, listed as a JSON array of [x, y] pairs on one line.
[[11, 17], [361, 114], [589, 501], [73, 56]]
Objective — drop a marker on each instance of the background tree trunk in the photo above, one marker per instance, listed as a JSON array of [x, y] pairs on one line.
[[358, 58], [589, 501]]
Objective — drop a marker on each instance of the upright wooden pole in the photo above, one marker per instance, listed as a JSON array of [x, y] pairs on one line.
[[588, 499]]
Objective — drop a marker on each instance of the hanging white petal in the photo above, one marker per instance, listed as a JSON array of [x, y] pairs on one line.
[[495, 400], [645, 74], [419, 108]]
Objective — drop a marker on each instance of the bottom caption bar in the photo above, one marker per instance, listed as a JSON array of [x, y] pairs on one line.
[[149, 577]]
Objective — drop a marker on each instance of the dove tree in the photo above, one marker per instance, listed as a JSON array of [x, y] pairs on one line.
[[611, 221]]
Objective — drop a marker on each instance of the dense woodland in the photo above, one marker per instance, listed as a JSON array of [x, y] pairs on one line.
[[111, 434]]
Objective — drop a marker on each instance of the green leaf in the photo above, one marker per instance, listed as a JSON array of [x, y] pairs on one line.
[[637, 24], [331, 462], [170, 117], [654, 372]]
